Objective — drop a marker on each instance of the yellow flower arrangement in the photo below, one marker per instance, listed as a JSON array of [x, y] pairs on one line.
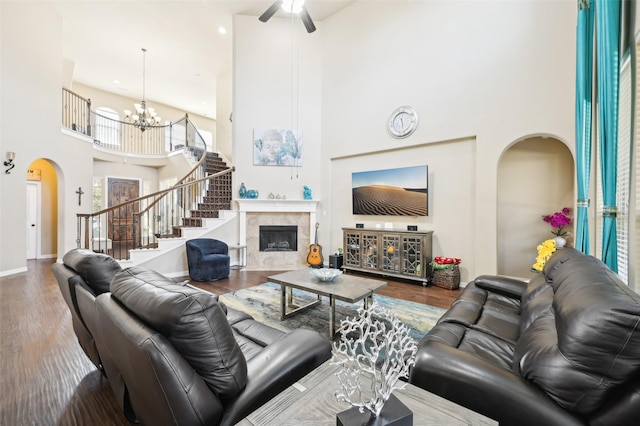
[[545, 250]]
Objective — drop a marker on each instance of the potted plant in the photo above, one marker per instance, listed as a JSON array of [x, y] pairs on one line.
[[558, 221]]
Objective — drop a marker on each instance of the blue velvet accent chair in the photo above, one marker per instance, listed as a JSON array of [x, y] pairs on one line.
[[208, 259]]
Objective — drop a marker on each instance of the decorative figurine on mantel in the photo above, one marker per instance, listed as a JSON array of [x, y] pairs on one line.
[[307, 193]]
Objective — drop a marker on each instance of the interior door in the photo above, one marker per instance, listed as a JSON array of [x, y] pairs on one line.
[[33, 204], [121, 220]]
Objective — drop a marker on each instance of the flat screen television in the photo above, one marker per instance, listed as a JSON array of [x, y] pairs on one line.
[[392, 192]]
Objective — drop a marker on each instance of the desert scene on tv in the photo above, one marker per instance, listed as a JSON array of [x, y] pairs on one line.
[[392, 192]]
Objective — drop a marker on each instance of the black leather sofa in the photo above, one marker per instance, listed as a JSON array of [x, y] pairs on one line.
[[562, 349], [92, 274], [171, 352]]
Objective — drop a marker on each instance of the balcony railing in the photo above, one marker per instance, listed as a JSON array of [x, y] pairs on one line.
[[122, 136]]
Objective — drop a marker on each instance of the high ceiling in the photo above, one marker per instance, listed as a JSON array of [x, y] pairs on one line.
[[185, 50]]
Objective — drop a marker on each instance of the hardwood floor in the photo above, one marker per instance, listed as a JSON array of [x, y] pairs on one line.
[[45, 377]]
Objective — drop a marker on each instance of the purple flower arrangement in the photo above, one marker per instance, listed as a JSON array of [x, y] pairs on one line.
[[558, 221]]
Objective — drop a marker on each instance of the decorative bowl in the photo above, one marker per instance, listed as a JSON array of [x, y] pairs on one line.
[[326, 274]]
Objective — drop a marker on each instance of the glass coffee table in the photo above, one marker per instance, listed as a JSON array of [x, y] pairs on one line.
[[347, 288]]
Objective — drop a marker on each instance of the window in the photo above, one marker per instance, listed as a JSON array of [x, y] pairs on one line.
[[626, 233], [107, 131]]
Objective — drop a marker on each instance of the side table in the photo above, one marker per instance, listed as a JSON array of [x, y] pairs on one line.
[[311, 400], [242, 254]]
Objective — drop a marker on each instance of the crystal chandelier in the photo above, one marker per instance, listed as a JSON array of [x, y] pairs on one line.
[[143, 117]]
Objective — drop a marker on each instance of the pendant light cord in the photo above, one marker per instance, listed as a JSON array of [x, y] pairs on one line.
[[295, 97], [144, 55]]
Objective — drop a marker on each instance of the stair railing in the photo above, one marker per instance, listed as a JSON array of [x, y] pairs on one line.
[[197, 173], [138, 223]]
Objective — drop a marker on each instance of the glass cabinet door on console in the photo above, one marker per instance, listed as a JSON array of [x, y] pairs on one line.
[[369, 251], [404, 254], [412, 256], [352, 249], [391, 253]]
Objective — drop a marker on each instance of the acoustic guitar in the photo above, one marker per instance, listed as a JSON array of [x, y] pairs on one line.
[[315, 253]]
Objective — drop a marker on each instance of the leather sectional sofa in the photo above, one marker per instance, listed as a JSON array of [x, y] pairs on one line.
[[171, 352], [562, 349]]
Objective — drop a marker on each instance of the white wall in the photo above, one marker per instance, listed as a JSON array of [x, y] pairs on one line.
[[224, 108], [262, 99], [491, 72], [31, 113]]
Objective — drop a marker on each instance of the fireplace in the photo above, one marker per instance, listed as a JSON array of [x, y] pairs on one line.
[[278, 238], [256, 213]]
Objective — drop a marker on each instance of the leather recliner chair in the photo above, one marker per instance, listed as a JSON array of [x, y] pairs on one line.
[[174, 355], [92, 273], [561, 349]]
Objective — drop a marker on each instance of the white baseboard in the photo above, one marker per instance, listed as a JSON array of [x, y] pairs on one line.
[[13, 271]]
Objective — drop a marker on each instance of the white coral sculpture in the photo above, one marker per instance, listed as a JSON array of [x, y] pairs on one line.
[[374, 341]]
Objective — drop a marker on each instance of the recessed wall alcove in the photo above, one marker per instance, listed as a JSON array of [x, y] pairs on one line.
[[535, 177]]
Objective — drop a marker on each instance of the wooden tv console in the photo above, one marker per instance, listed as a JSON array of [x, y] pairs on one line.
[[388, 252]]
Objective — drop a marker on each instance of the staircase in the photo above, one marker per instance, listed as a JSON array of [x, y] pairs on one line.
[[218, 196], [213, 211], [156, 226]]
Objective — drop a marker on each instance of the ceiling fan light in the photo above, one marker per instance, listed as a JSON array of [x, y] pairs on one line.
[[127, 113], [292, 6]]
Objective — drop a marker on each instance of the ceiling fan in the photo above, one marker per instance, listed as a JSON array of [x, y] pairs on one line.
[[292, 6]]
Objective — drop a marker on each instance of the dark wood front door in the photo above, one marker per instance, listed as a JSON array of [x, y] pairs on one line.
[[121, 219]]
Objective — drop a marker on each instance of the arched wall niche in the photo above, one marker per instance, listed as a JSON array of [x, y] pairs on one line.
[[536, 177], [45, 172]]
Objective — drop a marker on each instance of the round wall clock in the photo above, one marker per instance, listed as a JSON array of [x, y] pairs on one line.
[[403, 122]]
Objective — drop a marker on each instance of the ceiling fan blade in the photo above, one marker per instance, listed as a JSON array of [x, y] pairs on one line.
[[306, 20], [271, 11]]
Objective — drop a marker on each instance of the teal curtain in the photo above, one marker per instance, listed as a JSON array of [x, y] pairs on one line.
[[608, 66], [584, 89]]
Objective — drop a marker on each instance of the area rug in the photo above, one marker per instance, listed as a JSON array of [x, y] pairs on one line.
[[262, 302]]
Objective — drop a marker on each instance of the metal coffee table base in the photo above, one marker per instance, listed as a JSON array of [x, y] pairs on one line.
[[288, 308], [348, 288]]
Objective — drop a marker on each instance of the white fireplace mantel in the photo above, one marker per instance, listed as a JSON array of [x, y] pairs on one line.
[[277, 205], [273, 206]]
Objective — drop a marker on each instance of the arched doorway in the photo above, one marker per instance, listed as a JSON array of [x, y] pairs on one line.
[[42, 210], [535, 178]]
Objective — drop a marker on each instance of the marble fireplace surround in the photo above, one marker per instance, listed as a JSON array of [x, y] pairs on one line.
[[255, 212]]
